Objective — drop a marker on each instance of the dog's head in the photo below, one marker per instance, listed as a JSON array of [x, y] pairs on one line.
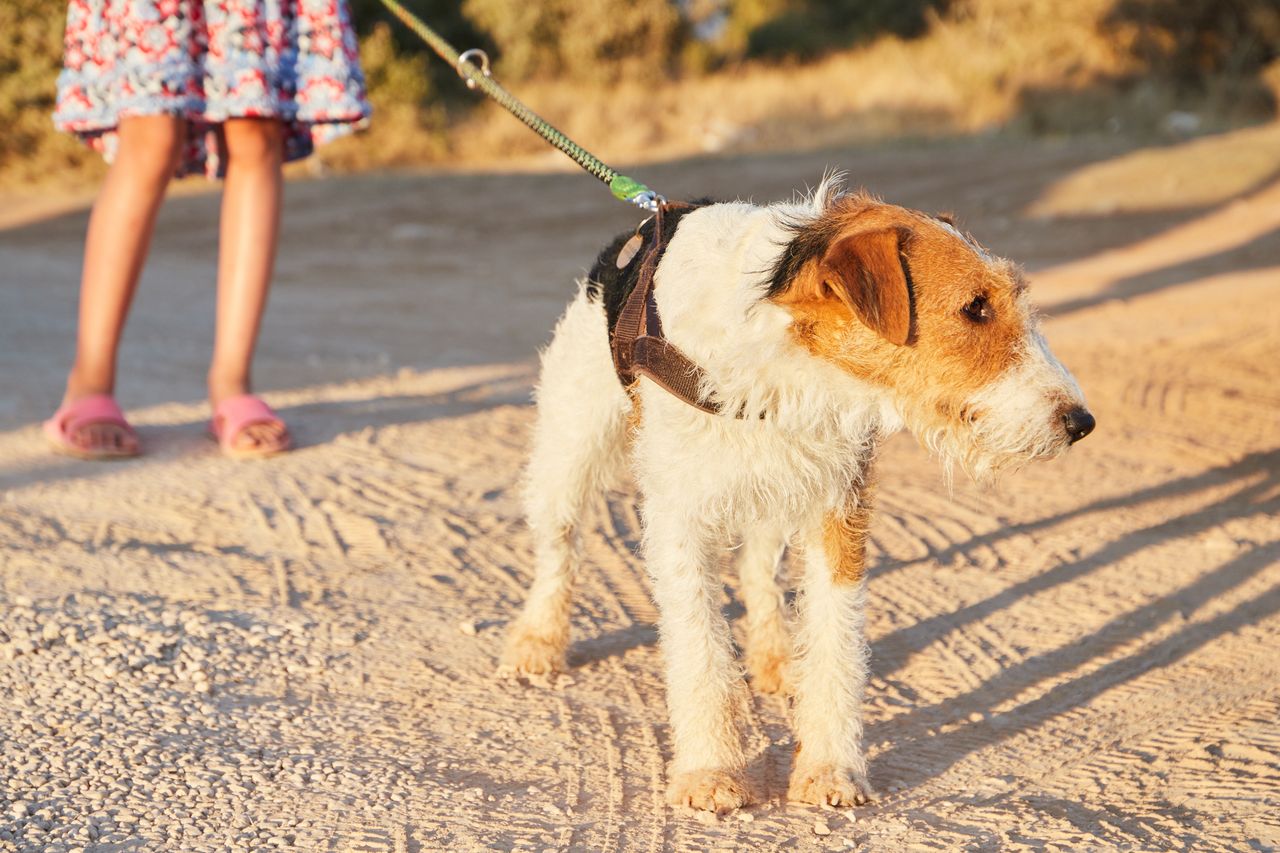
[[908, 303]]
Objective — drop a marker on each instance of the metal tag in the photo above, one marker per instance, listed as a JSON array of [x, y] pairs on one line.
[[629, 250]]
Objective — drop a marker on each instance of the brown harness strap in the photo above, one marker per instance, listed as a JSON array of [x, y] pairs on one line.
[[638, 345]]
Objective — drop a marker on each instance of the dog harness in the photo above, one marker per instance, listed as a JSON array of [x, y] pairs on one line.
[[638, 345]]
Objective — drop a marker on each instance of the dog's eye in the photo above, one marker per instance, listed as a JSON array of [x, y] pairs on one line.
[[978, 310]]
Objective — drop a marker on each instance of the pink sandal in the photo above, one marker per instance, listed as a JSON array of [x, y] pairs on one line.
[[236, 414], [88, 411]]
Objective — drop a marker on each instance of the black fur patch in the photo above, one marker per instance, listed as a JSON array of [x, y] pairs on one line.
[[810, 241], [614, 285]]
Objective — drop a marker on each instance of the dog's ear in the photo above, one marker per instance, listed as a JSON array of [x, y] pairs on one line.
[[866, 271]]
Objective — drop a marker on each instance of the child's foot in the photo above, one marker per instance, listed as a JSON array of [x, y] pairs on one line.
[[246, 427], [91, 427]]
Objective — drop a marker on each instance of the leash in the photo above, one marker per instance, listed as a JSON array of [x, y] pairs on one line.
[[473, 67], [637, 343]]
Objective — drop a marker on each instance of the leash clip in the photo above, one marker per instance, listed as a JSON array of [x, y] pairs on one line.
[[647, 200], [470, 57]]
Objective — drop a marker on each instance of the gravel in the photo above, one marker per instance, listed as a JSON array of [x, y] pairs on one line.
[[139, 720]]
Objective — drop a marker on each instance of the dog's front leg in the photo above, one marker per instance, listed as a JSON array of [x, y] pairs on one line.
[[704, 682], [831, 670]]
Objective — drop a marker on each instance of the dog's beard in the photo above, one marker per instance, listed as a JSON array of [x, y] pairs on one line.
[[1013, 420], [985, 448]]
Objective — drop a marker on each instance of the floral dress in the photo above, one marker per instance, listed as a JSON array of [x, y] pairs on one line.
[[207, 61]]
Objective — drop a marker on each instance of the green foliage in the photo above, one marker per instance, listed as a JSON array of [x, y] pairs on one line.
[[443, 16], [803, 29], [571, 39], [30, 58], [1193, 39], [592, 44], [408, 124]]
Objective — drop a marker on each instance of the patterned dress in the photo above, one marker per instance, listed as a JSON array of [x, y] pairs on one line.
[[207, 61]]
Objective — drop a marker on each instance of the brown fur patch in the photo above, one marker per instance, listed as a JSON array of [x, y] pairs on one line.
[[948, 356], [844, 537], [866, 273], [635, 415]]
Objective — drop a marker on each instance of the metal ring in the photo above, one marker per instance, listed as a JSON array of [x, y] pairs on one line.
[[647, 200], [469, 57]]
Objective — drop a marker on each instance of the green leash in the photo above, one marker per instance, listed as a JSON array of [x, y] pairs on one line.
[[477, 77]]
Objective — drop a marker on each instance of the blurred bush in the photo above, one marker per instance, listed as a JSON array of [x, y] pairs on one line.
[[30, 58], [804, 29], [569, 39], [690, 67], [1190, 40], [409, 124], [1219, 57]]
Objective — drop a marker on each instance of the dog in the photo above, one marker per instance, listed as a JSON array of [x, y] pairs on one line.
[[821, 326]]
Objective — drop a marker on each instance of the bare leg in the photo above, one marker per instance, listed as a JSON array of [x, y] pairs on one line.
[[249, 230], [120, 229]]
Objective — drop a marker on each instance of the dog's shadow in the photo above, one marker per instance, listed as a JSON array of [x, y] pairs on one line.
[[923, 741], [612, 644]]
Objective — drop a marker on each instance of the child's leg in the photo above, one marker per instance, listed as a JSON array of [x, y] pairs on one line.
[[115, 248], [250, 225]]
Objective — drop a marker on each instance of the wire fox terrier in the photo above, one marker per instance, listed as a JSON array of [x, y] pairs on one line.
[[825, 325]]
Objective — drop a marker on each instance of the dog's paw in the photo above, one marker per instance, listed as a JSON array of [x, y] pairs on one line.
[[718, 791], [529, 654], [829, 786], [769, 673]]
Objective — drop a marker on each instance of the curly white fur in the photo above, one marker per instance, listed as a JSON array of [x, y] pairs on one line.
[[705, 479]]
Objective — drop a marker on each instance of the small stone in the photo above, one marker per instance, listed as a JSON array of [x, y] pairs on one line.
[[975, 717], [746, 817], [468, 627], [820, 827], [20, 810]]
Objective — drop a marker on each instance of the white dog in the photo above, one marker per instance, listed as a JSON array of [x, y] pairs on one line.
[[820, 327]]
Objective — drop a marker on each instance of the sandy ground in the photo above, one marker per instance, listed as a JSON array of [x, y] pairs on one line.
[[202, 654]]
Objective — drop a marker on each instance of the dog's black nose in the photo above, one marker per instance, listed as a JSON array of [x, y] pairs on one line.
[[1078, 423]]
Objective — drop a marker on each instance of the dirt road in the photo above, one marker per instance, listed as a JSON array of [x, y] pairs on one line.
[[202, 654]]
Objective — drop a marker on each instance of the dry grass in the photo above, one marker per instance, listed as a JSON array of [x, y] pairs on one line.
[[1037, 66], [969, 73], [1034, 66]]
